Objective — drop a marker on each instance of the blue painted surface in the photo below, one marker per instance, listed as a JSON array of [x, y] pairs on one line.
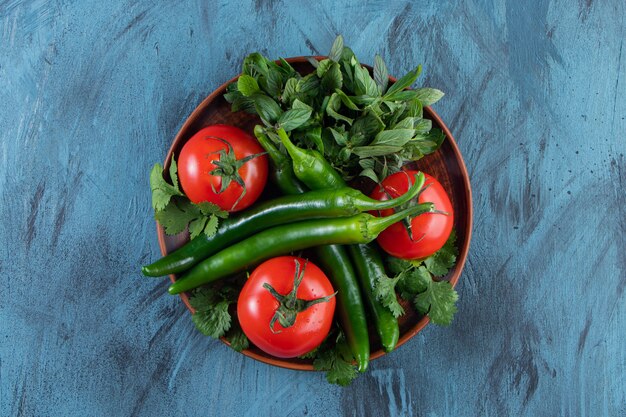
[[92, 93]]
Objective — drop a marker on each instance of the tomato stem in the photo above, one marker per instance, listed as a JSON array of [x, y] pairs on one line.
[[228, 168], [290, 305]]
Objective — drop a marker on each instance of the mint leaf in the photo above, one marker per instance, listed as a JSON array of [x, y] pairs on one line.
[[427, 143], [334, 103], [272, 83], [293, 119], [289, 92], [395, 137], [332, 79], [364, 84], [247, 85], [323, 66], [405, 81], [429, 96], [365, 128], [369, 173], [441, 261], [346, 100], [337, 49], [398, 96], [267, 108], [438, 302], [376, 150], [381, 75]]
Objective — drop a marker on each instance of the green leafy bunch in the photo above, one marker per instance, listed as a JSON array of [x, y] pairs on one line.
[[361, 123]]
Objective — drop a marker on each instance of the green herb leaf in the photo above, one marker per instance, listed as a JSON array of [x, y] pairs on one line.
[[405, 95], [293, 119], [337, 362], [441, 261], [428, 143], [332, 80], [337, 49], [365, 128], [346, 100], [255, 64], [323, 66], [267, 108], [211, 317], [289, 92], [405, 81], [385, 291], [333, 105], [238, 101], [176, 216], [297, 104], [247, 85], [376, 150], [438, 302], [314, 135], [364, 84], [196, 226], [422, 126], [237, 338], [179, 213], [162, 192], [396, 137], [381, 75], [413, 281], [369, 173], [429, 96]]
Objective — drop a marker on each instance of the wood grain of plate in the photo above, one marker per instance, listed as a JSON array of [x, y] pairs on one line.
[[446, 165]]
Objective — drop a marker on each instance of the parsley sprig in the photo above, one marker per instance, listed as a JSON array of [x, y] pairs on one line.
[[212, 315], [414, 280], [174, 211], [334, 357]]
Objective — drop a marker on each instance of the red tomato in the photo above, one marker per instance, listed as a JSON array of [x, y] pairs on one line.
[[429, 231], [257, 307], [214, 161]]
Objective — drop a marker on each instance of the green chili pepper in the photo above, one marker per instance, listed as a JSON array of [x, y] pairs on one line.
[[282, 174], [335, 261], [310, 166], [369, 265], [281, 240], [313, 204]]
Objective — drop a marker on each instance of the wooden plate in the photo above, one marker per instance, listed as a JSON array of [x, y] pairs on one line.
[[446, 165]]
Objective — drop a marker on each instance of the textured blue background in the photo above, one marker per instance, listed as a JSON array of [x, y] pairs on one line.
[[92, 93]]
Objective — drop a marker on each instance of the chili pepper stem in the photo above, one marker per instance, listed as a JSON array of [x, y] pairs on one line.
[[298, 155], [369, 204], [278, 158], [375, 225]]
